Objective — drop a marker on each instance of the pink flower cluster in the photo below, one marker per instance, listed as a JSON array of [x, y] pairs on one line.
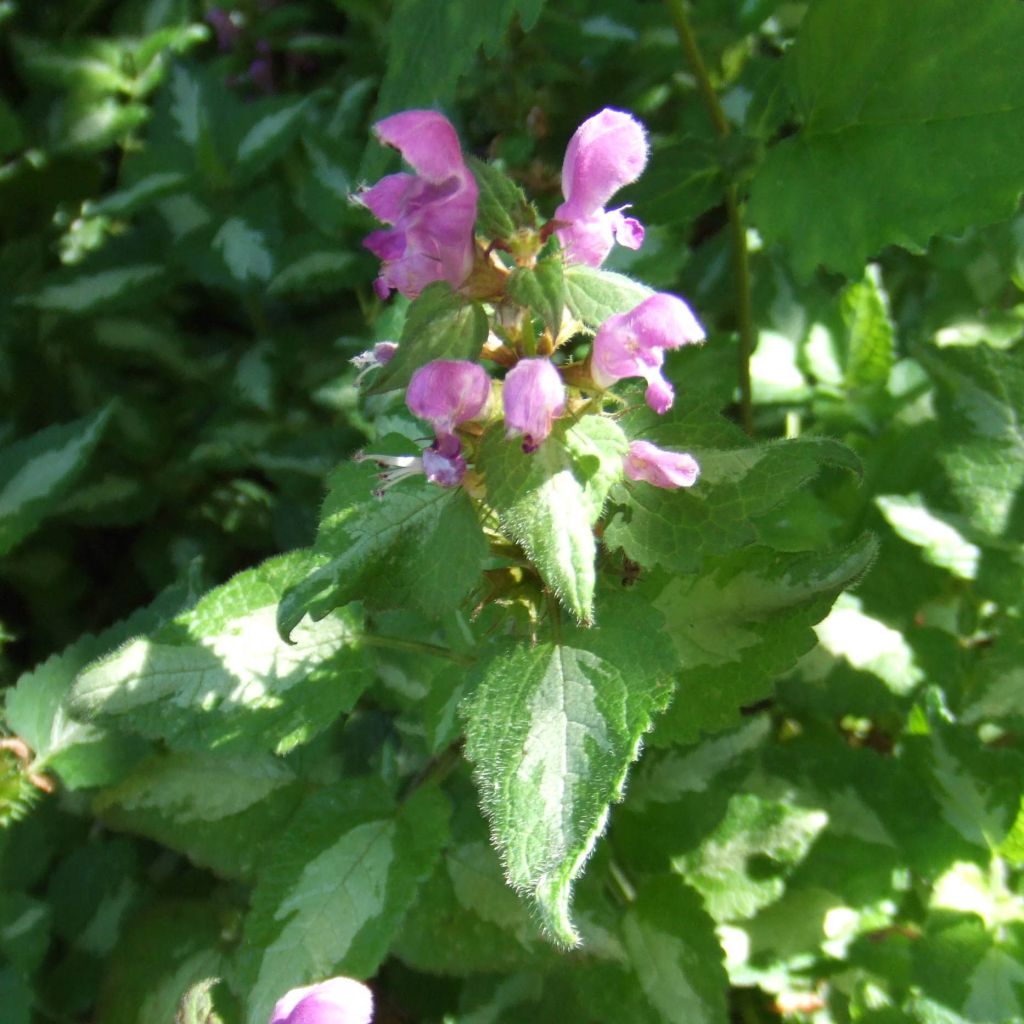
[[433, 213]]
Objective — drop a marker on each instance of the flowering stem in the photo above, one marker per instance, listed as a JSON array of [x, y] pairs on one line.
[[737, 232]]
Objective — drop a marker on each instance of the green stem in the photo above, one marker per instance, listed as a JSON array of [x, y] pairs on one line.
[[737, 232], [396, 643]]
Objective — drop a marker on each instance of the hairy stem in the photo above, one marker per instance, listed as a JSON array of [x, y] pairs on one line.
[[737, 232]]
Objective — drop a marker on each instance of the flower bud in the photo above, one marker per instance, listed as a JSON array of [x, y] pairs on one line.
[[335, 1001], [447, 392], [534, 396], [659, 467]]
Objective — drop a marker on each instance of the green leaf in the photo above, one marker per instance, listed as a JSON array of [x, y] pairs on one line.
[[418, 546], [457, 30], [335, 889], [438, 325], [36, 472], [244, 250], [673, 948], [219, 677], [541, 289], [275, 125], [78, 294], [682, 181], [777, 833], [15, 996], [502, 207], [743, 621], [870, 340], [139, 195], [981, 409], [594, 295], [324, 270], [220, 812], [549, 500], [940, 541], [196, 1006], [81, 754], [905, 113], [738, 483], [551, 731]]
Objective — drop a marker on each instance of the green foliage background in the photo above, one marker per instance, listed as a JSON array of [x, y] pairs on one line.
[[826, 823]]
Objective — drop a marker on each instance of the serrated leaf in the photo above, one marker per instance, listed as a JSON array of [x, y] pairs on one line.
[[673, 948], [418, 546], [541, 289], [83, 65], [903, 129], [336, 888], [36, 472], [220, 812], [244, 250], [551, 731], [981, 406], [594, 295], [741, 622], [81, 754], [275, 126], [502, 206], [940, 541], [549, 500], [738, 483], [869, 332], [457, 29], [438, 325], [219, 677], [140, 194]]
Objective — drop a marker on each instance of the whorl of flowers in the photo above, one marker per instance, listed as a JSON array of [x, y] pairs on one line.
[[433, 215]]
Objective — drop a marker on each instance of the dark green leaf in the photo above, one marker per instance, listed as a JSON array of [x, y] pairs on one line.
[[541, 289]]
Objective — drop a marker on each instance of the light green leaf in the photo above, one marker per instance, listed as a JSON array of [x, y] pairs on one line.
[[502, 207], [418, 546], [594, 295], [83, 65], [438, 325], [37, 471], [940, 541], [335, 889], [673, 949], [551, 731], [541, 289], [321, 271], [274, 129], [869, 331], [220, 812], [196, 1006], [773, 830], [549, 500], [244, 250], [145, 191], [84, 293], [219, 677], [741, 622], [905, 113]]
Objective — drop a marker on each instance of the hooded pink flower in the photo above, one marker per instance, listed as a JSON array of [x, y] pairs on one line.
[[433, 211], [335, 1001], [659, 467], [633, 345], [534, 397], [447, 392], [607, 152]]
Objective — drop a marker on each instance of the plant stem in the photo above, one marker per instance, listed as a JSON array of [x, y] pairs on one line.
[[737, 232], [397, 643]]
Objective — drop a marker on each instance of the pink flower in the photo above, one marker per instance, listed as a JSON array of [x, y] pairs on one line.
[[608, 151], [433, 211], [335, 1001], [633, 345], [447, 392], [660, 467], [534, 396]]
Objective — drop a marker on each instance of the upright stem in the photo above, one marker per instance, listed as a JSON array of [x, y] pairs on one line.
[[737, 232]]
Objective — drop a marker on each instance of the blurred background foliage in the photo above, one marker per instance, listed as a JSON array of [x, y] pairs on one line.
[[182, 289]]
